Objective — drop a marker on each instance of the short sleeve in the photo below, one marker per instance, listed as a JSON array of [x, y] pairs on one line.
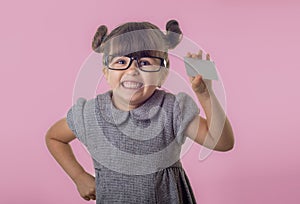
[[185, 110], [75, 119]]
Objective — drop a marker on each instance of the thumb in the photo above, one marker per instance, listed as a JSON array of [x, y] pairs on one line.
[[197, 79], [191, 79]]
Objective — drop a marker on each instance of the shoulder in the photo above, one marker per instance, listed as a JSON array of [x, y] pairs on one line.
[[103, 97], [80, 103], [182, 96], [83, 105], [185, 106]]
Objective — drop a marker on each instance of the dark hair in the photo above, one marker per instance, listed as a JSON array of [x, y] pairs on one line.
[[137, 38]]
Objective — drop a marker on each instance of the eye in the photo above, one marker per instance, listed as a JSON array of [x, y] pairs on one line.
[[150, 61], [145, 63], [120, 62]]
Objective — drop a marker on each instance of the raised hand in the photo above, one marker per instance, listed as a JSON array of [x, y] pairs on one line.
[[200, 85]]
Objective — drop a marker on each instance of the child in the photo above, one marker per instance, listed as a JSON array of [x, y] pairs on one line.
[[134, 132]]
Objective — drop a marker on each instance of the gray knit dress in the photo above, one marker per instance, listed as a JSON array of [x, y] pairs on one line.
[[136, 153]]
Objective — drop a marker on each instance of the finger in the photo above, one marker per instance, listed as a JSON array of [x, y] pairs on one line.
[[207, 56], [86, 198], [194, 56], [92, 192], [189, 54], [200, 54], [197, 79], [93, 197], [191, 79]]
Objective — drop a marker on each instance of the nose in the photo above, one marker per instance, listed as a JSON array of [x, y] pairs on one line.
[[134, 66]]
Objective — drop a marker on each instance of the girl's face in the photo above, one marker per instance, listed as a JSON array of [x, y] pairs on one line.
[[132, 87]]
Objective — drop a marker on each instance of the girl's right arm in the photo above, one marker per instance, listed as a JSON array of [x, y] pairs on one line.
[[57, 139]]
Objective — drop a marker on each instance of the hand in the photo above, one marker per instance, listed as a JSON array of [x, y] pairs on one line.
[[86, 186], [200, 85]]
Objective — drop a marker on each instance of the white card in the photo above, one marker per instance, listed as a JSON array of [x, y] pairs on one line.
[[206, 68]]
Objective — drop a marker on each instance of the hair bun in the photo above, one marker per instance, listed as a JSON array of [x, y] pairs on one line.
[[174, 34], [98, 38]]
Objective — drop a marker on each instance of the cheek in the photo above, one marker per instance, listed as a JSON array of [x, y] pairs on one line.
[[152, 79], [113, 79]]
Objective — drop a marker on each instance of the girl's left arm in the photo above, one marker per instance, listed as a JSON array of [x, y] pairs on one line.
[[214, 134]]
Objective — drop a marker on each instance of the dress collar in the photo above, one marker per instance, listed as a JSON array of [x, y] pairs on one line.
[[146, 111]]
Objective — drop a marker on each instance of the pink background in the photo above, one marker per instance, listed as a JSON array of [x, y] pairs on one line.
[[254, 43]]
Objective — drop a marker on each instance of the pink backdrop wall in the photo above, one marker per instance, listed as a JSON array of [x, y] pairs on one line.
[[254, 43]]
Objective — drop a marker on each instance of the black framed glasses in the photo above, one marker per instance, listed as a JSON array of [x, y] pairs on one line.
[[146, 64]]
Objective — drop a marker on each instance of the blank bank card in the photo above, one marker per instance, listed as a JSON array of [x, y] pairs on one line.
[[206, 68]]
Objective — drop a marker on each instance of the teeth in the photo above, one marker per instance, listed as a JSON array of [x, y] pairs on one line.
[[132, 85]]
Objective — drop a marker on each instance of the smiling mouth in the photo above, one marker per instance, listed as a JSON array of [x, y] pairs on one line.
[[132, 84]]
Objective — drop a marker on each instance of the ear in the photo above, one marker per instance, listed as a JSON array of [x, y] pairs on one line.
[[165, 73], [105, 72]]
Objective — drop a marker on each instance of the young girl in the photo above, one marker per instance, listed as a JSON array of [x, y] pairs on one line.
[[134, 132]]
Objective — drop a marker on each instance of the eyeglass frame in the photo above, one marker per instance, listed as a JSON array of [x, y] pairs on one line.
[[162, 64]]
